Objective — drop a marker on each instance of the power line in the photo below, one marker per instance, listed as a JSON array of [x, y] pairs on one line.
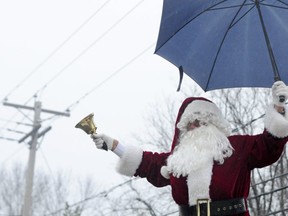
[[104, 193], [73, 105], [247, 124], [110, 77], [16, 122], [271, 179], [79, 55], [90, 46], [269, 192], [56, 49], [250, 122]]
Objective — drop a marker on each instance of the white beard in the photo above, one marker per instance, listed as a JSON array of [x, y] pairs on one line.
[[194, 157]]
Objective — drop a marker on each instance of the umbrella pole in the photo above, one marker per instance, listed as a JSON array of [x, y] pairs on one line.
[[272, 58]]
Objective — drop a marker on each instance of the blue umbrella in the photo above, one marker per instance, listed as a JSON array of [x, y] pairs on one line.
[[226, 43]]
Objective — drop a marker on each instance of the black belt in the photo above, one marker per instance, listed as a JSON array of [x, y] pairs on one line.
[[206, 207]]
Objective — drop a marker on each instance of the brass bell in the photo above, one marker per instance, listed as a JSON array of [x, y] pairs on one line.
[[87, 125]]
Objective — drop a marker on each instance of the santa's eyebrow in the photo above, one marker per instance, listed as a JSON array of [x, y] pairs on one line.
[[197, 112]]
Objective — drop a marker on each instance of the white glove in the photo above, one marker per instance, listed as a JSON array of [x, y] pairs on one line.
[[279, 89], [103, 141]]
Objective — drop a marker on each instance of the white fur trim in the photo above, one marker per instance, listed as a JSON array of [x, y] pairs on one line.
[[204, 111], [198, 183], [276, 123], [202, 106], [164, 172], [130, 160]]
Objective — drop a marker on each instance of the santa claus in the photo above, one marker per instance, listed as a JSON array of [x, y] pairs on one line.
[[208, 170]]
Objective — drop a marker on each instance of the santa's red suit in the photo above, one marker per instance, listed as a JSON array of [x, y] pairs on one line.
[[227, 180]]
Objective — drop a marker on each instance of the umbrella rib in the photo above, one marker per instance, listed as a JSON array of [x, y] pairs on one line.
[[241, 5], [232, 6], [240, 18], [221, 44], [269, 5], [187, 24], [270, 51], [282, 3]]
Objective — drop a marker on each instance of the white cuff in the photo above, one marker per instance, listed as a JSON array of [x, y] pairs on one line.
[[276, 123], [130, 160], [119, 150]]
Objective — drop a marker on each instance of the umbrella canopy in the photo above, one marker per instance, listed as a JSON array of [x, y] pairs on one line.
[[226, 43]]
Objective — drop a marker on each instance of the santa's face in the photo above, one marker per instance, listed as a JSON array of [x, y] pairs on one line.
[[195, 124], [201, 113], [198, 144]]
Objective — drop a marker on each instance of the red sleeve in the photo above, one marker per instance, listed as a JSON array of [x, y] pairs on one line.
[[150, 167], [261, 150]]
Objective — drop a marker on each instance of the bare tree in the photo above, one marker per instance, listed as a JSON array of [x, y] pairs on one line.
[[11, 190], [269, 189], [136, 197], [52, 194]]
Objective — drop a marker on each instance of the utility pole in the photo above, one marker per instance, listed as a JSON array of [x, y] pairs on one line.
[[31, 161], [35, 134]]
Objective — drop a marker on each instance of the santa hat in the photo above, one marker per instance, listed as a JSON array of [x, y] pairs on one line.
[[202, 109]]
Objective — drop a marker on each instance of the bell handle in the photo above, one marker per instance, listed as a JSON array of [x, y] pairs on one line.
[[281, 98], [105, 146]]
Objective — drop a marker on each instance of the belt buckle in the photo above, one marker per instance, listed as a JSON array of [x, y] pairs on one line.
[[201, 201]]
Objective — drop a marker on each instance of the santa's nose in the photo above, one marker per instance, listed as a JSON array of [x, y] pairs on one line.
[[193, 125]]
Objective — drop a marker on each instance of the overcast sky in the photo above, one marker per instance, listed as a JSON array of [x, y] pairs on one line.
[[86, 56]]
